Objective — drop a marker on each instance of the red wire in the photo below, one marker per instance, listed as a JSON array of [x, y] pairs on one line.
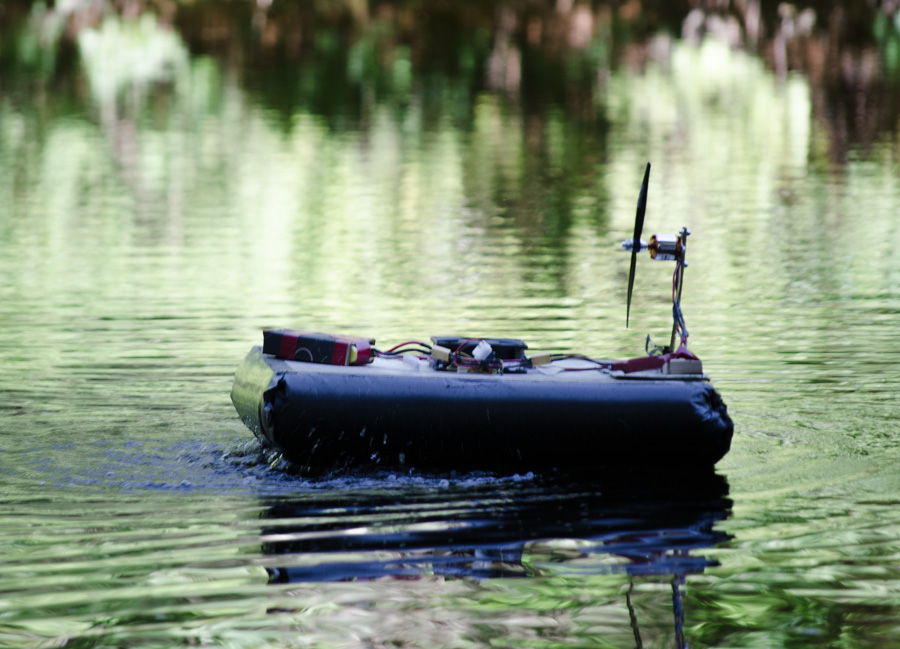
[[466, 342]]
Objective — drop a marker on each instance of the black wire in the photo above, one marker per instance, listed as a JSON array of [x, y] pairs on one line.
[[404, 350], [581, 357]]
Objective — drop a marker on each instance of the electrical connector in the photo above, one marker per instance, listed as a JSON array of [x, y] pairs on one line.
[[414, 363], [540, 359], [482, 351], [440, 353]]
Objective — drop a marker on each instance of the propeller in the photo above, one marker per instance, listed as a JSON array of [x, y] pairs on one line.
[[636, 244]]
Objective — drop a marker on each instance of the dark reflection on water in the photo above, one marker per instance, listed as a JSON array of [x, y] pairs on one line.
[[641, 531], [488, 528]]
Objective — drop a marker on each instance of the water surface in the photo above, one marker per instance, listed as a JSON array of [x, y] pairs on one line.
[[170, 187]]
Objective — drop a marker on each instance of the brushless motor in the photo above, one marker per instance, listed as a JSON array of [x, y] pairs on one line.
[[665, 247]]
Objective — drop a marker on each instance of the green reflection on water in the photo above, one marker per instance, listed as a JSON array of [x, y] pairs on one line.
[[155, 215]]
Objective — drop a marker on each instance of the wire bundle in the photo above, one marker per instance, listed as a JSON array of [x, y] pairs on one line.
[[677, 315], [410, 346], [460, 359]]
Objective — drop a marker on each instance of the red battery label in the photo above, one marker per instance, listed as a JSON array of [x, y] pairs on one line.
[[314, 347]]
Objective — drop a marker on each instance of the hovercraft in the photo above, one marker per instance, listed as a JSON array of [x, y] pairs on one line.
[[330, 402]]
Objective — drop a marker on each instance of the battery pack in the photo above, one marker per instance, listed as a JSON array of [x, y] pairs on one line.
[[314, 347]]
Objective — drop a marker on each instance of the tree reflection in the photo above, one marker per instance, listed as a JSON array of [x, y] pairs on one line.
[[335, 59]]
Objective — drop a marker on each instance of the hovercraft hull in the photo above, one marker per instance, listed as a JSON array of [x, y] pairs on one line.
[[393, 415]]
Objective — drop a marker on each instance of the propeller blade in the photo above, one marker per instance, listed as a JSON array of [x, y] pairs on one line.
[[630, 286], [636, 244]]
